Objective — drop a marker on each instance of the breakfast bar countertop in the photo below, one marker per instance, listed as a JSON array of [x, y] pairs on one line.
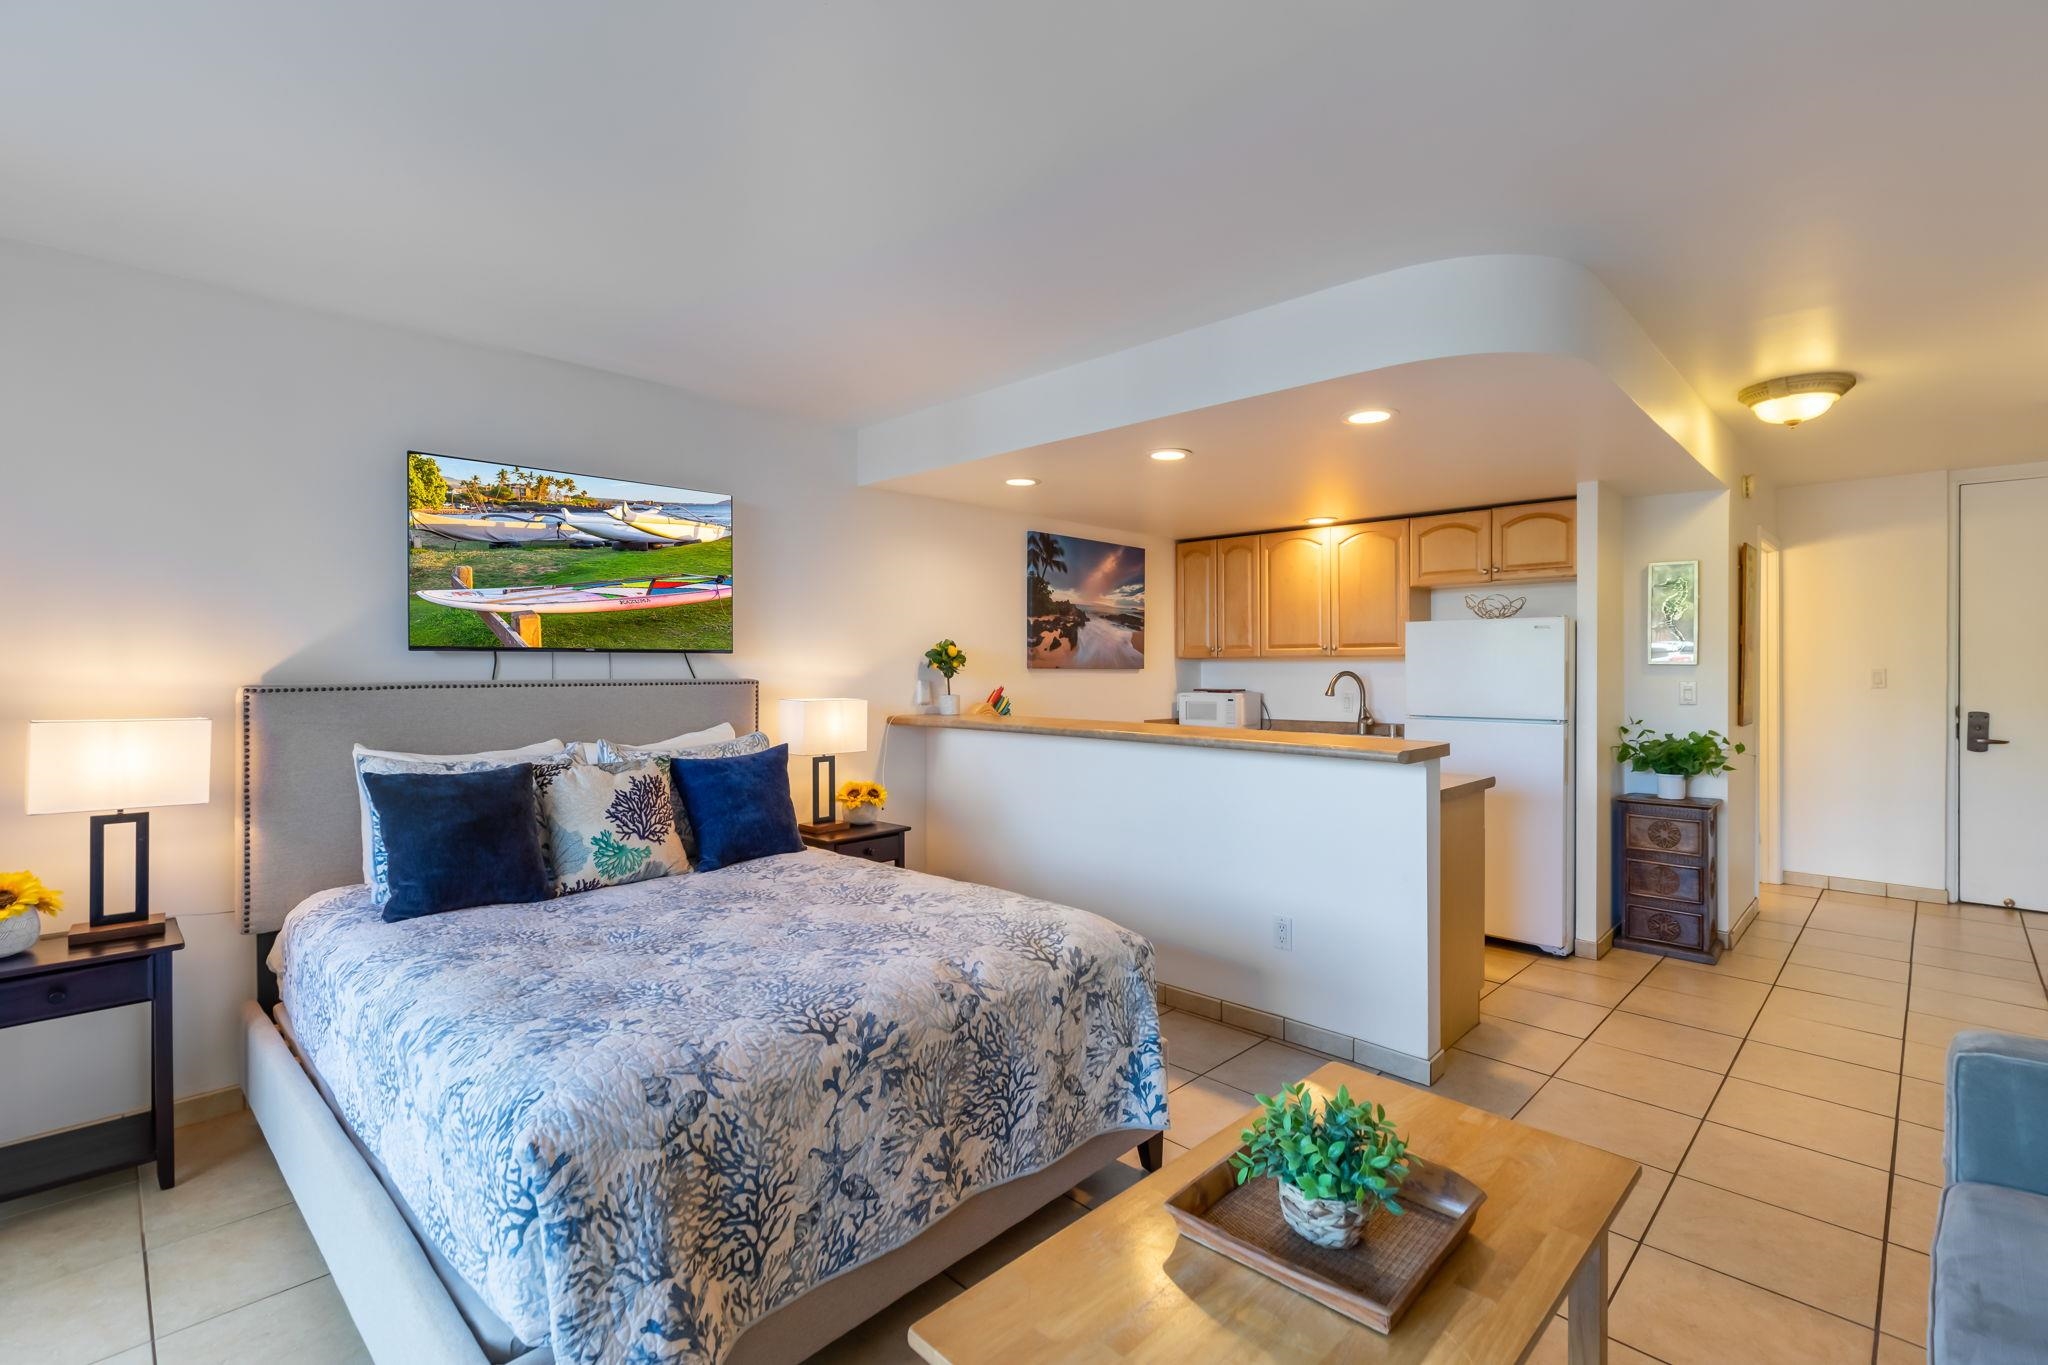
[[1368, 748]]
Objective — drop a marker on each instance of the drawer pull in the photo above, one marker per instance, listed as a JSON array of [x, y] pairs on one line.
[[58, 994]]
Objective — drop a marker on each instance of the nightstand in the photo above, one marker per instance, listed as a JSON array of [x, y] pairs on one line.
[[54, 979], [878, 843]]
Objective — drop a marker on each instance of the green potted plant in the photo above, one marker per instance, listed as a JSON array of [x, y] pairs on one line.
[[1334, 1166], [1675, 759], [946, 659]]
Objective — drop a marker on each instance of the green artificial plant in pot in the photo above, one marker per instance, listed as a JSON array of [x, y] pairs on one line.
[[1675, 759], [1334, 1166]]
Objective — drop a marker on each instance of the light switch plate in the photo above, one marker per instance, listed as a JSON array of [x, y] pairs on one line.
[[1688, 694], [1879, 679]]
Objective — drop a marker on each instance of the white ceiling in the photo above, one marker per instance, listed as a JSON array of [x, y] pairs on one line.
[[855, 208], [1281, 458]]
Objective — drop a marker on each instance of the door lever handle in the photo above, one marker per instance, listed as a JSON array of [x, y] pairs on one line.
[[1977, 732]]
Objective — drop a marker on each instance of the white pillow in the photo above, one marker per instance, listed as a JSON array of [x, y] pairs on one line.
[[547, 748], [612, 823], [614, 750]]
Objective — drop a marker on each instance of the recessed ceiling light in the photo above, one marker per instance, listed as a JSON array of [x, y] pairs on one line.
[[1320, 521], [1170, 454], [1796, 398], [1366, 417], [1021, 483]]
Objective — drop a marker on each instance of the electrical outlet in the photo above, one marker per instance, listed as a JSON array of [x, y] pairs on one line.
[[1688, 694], [1879, 680], [1283, 933]]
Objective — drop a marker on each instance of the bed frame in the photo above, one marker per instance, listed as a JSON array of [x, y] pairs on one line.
[[298, 835]]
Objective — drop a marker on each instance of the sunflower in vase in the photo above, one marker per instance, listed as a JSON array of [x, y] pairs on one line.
[[22, 899], [863, 801]]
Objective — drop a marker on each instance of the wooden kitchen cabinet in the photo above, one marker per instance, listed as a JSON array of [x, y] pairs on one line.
[[1195, 600], [1294, 593], [1450, 548], [1368, 588], [1536, 540], [1218, 599]]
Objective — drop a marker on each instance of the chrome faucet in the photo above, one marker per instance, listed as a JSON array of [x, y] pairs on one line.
[[1364, 715]]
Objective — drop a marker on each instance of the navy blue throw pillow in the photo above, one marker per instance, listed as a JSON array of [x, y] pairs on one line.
[[739, 806], [454, 840]]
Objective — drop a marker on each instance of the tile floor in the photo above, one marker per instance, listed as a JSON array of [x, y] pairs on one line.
[[1786, 1105]]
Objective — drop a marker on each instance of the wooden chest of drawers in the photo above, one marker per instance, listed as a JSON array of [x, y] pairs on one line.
[[1664, 876]]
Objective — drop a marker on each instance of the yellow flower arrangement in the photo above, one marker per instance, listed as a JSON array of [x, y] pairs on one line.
[[22, 894], [855, 794]]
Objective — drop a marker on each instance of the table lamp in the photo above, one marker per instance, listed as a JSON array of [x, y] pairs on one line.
[[823, 728], [123, 766]]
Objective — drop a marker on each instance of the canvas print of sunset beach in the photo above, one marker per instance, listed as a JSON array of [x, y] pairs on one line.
[[1085, 602]]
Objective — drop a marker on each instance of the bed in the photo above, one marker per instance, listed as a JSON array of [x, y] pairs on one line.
[[718, 1117]]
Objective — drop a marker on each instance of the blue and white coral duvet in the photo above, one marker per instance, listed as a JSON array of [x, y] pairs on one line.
[[638, 1119]]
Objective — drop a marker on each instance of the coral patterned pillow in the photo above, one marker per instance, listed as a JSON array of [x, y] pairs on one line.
[[610, 823]]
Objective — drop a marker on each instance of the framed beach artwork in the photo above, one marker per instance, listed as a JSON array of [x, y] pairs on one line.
[[1084, 603], [1674, 612]]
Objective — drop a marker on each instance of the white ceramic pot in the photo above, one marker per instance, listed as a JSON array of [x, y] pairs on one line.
[[1326, 1222], [18, 933], [1671, 786], [949, 705], [862, 815]]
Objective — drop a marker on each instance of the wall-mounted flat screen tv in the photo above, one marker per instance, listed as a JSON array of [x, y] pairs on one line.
[[506, 556]]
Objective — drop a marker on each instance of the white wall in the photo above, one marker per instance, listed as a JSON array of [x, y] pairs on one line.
[[202, 491], [1866, 587]]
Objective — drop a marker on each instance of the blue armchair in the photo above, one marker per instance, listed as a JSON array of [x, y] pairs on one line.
[[1986, 1299]]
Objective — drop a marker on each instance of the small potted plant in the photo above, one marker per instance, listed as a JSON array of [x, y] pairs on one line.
[[947, 660], [23, 899], [1675, 759], [863, 800], [1334, 1167]]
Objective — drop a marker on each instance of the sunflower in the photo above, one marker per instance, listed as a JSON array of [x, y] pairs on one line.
[[21, 893]]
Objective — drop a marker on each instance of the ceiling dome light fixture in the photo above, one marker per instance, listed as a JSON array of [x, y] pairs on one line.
[[1021, 483], [1319, 521], [1368, 417], [1171, 454], [1796, 398]]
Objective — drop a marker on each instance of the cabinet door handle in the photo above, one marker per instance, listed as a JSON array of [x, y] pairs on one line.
[[59, 994]]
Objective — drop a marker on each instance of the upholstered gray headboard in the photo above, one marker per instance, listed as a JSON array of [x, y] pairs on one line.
[[297, 817]]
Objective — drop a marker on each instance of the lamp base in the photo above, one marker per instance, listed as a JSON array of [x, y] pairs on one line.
[[149, 926]]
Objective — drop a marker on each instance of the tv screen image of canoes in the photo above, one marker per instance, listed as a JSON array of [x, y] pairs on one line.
[[503, 556]]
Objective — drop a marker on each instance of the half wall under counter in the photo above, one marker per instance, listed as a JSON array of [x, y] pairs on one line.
[[1204, 840]]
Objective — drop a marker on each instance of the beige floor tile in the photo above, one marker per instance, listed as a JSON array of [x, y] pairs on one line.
[[1983, 1013], [1785, 928], [1267, 1068], [1817, 1263], [77, 1189], [219, 1270], [1889, 904], [60, 1240], [1924, 1103], [1846, 985], [1544, 1011], [1792, 890], [884, 1339], [1523, 1045], [1626, 1127], [1914, 1207], [76, 1319], [1483, 1083], [145, 1354], [1592, 988], [1905, 1295], [1554, 1348], [225, 1173], [1991, 940], [1805, 1122], [1861, 944], [1620, 1251], [1769, 947], [1652, 1080], [1680, 1043], [1855, 964], [1805, 1073], [1694, 1011], [1963, 910], [1887, 1020], [1109, 1182], [1892, 1351], [1932, 1030], [1883, 924], [1197, 1044], [1686, 1314], [1924, 1063], [1927, 976], [1978, 964], [1747, 964], [306, 1325], [1919, 1155], [1827, 1040], [985, 1261], [1487, 988], [1633, 1218], [1502, 963], [1621, 965], [1831, 1188], [1202, 1108], [1710, 983], [1177, 1077]]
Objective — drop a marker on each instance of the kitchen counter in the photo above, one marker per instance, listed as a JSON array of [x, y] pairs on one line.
[[1367, 748]]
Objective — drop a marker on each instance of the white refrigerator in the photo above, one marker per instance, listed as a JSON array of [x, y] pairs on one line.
[[1500, 694]]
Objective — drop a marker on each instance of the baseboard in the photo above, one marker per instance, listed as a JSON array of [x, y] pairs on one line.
[[1900, 892], [1594, 948], [1864, 887], [1341, 1047], [1805, 879], [210, 1104], [1730, 937]]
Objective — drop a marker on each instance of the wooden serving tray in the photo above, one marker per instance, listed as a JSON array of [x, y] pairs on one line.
[[1373, 1282]]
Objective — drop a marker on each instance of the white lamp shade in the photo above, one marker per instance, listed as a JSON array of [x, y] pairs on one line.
[[76, 765], [825, 725]]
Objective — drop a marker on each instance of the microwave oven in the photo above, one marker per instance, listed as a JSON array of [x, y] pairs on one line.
[[1234, 710]]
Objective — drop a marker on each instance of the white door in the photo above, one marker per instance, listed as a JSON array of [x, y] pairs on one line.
[[2004, 694], [1528, 821]]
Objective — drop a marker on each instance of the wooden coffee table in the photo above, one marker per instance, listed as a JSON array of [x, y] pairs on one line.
[[1120, 1285]]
